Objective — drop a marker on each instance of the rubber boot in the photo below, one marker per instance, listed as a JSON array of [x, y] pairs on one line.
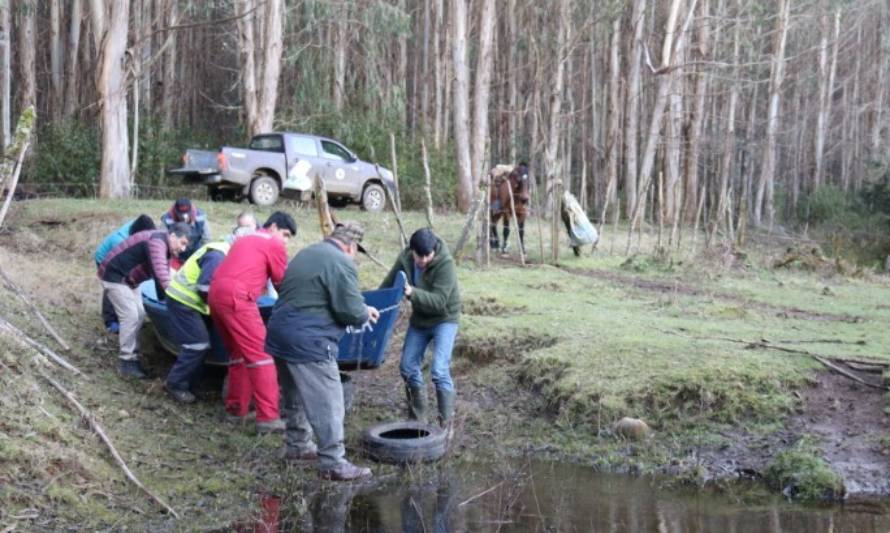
[[493, 243], [131, 368], [445, 400], [416, 402]]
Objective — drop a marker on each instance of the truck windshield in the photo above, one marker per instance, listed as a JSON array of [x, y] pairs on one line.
[[267, 143]]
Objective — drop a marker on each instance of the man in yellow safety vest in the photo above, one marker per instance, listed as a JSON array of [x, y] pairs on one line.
[[190, 314]]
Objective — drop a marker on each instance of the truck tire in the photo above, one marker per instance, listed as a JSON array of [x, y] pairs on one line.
[[373, 198], [264, 190]]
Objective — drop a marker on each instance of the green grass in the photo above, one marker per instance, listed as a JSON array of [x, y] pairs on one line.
[[592, 349]]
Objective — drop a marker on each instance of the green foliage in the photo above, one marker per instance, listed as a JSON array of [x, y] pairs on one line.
[[68, 159], [829, 205], [802, 474]]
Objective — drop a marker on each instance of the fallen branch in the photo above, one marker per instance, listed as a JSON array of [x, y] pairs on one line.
[[34, 309], [17, 171], [94, 425], [823, 359], [846, 373], [483, 493], [40, 347]]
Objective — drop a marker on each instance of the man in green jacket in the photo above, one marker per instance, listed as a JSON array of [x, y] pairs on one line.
[[435, 303], [318, 298]]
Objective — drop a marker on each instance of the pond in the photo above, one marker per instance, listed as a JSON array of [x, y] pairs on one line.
[[539, 496]]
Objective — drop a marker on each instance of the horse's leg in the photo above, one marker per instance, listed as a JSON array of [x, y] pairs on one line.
[[493, 232], [506, 232], [521, 223]]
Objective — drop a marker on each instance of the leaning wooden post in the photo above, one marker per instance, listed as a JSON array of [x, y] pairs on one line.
[[516, 220], [428, 187], [325, 221], [395, 168], [468, 226], [11, 164], [403, 238], [540, 205]]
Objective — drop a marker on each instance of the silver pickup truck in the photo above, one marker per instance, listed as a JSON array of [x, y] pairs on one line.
[[276, 162]]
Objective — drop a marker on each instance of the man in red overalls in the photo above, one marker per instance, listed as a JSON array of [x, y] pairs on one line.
[[238, 282]]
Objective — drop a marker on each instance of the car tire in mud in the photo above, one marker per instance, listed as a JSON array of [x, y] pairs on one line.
[[264, 190], [373, 198], [404, 442]]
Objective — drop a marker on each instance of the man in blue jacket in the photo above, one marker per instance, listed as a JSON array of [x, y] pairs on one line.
[[319, 298], [184, 211], [141, 223]]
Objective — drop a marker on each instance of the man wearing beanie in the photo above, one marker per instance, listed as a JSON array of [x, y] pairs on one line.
[[318, 299], [435, 303]]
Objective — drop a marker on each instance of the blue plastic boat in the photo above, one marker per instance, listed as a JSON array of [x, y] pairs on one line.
[[358, 349]]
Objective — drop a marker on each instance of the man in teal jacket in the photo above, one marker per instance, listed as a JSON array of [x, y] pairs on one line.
[[318, 298], [435, 301]]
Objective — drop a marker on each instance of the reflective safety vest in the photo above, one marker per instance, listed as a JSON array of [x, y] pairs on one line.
[[184, 286]]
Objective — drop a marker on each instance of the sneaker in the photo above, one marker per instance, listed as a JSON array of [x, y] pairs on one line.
[[291, 455], [345, 472], [131, 368], [113, 327], [181, 396], [270, 426]]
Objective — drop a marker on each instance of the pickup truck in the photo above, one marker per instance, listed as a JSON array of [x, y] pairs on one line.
[[281, 161]]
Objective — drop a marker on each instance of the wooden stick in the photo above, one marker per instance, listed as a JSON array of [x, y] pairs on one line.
[[395, 168], [35, 310], [97, 428], [325, 221], [468, 225], [374, 259], [516, 220], [845, 373], [39, 346], [428, 188], [17, 170], [698, 212], [395, 209], [540, 226], [483, 493]]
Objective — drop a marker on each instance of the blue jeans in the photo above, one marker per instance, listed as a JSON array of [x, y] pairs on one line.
[[416, 341]]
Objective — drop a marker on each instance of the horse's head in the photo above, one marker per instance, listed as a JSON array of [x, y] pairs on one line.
[[520, 181]]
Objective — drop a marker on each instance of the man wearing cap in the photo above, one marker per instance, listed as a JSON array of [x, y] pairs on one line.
[[183, 211], [435, 304], [319, 298], [239, 281], [141, 256]]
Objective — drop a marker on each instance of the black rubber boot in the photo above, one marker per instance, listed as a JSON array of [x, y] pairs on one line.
[[131, 368], [445, 400], [522, 236], [493, 238], [416, 397], [506, 236]]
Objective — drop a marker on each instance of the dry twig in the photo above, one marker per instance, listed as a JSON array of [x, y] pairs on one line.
[[52, 331], [94, 425]]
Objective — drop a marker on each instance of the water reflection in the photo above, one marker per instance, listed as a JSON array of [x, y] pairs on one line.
[[553, 497]]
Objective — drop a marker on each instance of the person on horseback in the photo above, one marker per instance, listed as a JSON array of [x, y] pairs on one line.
[[509, 194]]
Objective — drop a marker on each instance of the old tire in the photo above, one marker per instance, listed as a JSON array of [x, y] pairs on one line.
[[373, 198], [404, 442], [264, 190]]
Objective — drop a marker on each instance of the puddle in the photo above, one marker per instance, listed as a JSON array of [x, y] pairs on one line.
[[541, 496]]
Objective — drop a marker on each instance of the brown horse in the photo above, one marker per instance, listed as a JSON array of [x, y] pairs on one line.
[[505, 180]]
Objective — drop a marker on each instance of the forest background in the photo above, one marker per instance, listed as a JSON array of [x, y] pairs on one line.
[[740, 113]]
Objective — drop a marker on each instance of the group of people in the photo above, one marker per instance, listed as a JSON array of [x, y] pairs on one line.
[[207, 283]]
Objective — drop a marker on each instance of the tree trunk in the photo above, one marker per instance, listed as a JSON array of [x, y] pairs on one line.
[[27, 51], [766, 182], [111, 83], [341, 43], [271, 68], [72, 78], [553, 171], [5, 76], [614, 143], [726, 164], [482, 90], [693, 150], [246, 10], [465, 180], [826, 89], [170, 90], [56, 102], [632, 117]]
